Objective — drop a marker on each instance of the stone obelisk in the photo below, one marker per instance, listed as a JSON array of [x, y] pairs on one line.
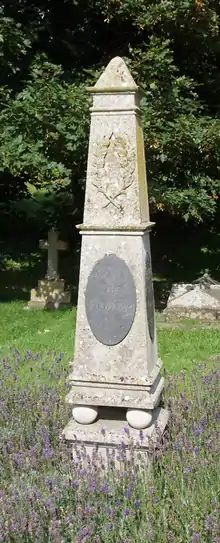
[[116, 376]]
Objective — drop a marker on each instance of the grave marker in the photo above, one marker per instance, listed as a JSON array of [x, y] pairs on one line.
[[50, 293], [116, 379], [197, 300], [53, 245]]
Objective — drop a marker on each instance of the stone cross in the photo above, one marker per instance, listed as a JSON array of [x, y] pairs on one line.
[[116, 371], [52, 245]]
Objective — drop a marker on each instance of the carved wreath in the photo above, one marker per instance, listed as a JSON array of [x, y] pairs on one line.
[[113, 156]]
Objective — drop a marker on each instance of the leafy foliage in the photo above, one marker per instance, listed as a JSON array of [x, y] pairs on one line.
[[52, 50], [43, 135]]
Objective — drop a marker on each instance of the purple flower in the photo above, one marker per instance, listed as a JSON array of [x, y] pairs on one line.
[[92, 485], [153, 490], [45, 493], [216, 414], [69, 520], [85, 534], [13, 527], [128, 493], [126, 512], [209, 521], [188, 470], [141, 435], [48, 452], [197, 431], [110, 512], [195, 538], [108, 527], [106, 488]]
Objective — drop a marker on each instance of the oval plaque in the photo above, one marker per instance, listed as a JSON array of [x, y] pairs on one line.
[[110, 300], [150, 298]]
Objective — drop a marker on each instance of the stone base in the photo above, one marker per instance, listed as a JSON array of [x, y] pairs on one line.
[[199, 300], [50, 295], [47, 304], [203, 314], [113, 441], [107, 395]]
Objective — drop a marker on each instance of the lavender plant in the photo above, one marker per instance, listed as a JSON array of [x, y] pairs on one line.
[[47, 497]]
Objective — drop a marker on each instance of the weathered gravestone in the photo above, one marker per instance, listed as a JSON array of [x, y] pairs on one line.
[[197, 300], [116, 379], [50, 292]]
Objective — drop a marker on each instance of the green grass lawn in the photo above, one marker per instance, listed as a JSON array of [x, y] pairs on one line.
[[36, 330], [46, 497], [181, 345]]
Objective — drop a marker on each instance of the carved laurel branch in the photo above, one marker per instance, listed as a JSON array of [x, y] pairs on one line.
[[126, 158], [111, 199]]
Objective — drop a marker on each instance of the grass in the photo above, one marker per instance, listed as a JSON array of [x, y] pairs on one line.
[[183, 349], [36, 330], [47, 498], [180, 346]]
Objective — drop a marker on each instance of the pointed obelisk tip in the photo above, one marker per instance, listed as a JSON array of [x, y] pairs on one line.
[[116, 75]]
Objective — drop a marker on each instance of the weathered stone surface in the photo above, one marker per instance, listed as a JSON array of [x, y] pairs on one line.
[[138, 418], [84, 414], [116, 76], [136, 356], [107, 434], [52, 245], [198, 300], [50, 293], [136, 396], [205, 314], [116, 360], [116, 190]]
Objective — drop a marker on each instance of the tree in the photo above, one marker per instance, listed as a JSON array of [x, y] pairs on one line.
[[53, 50], [44, 140]]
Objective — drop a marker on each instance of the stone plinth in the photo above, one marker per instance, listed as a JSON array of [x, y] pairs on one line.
[[106, 435], [49, 295], [198, 300], [116, 365]]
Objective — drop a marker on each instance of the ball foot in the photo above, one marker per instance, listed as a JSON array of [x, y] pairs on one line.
[[139, 418], [84, 414]]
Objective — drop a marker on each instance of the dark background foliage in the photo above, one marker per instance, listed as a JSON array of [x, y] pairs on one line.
[[50, 51]]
